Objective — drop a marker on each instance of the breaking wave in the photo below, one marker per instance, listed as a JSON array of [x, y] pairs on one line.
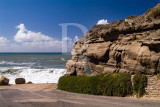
[[49, 75]]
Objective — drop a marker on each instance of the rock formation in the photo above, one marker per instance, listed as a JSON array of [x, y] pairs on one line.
[[127, 46], [20, 81], [4, 81]]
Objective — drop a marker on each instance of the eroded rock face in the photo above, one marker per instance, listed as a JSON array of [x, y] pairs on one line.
[[130, 46]]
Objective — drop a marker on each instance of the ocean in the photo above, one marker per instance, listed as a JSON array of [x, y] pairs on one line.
[[34, 67]]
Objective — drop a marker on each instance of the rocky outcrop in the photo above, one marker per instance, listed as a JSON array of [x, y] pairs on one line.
[[20, 81], [128, 46], [4, 81]]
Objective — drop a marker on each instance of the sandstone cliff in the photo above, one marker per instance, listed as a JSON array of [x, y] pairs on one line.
[[127, 46]]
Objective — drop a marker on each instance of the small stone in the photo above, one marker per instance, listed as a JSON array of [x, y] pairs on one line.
[[29, 82]]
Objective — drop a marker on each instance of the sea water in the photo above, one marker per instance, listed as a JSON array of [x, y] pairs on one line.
[[34, 67]]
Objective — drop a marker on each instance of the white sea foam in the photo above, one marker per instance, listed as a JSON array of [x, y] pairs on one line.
[[63, 59], [14, 63], [50, 75]]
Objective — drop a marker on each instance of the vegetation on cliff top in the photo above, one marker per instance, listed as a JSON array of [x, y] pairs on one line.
[[155, 13], [158, 75], [131, 17]]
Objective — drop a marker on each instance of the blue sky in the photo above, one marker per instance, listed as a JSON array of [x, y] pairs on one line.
[[45, 16]]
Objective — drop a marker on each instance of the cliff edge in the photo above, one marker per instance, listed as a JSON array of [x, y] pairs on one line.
[[127, 46]]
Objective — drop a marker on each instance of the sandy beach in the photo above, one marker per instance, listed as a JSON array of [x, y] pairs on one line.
[[31, 87]]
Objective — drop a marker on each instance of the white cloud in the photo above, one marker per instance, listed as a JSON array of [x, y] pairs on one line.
[[70, 42], [29, 41], [3, 41], [24, 35], [36, 41], [102, 22], [76, 38]]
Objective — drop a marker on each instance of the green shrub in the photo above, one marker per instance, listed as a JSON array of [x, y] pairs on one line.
[[126, 24], [148, 10], [93, 35], [112, 84], [139, 84], [155, 13], [158, 75], [79, 84], [90, 31], [134, 37], [115, 84], [114, 42], [149, 19], [131, 17]]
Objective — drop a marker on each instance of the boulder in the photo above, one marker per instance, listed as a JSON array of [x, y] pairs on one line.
[[20, 81], [4, 81]]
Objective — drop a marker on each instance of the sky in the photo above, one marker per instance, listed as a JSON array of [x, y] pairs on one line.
[[35, 25]]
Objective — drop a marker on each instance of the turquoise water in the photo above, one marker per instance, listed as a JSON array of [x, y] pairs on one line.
[[34, 66]]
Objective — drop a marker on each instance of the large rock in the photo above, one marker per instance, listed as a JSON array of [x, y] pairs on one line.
[[98, 50], [128, 46], [75, 68], [4, 81], [20, 81]]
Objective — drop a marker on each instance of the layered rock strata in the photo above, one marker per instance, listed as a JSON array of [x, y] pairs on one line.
[[127, 46]]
